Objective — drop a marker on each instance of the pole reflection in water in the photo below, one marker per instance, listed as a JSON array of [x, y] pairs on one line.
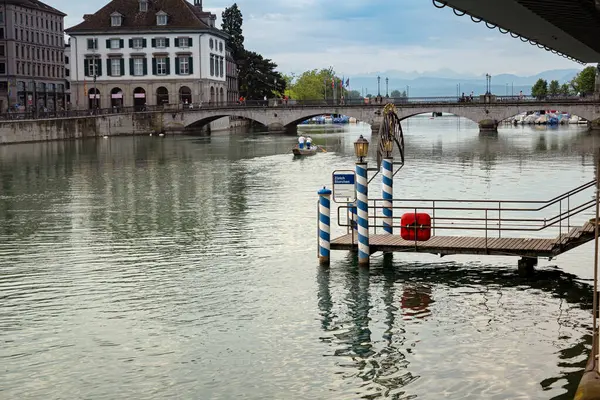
[[381, 324]]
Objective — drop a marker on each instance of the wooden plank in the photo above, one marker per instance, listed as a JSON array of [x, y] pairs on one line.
[[512, 244], [575, 233]]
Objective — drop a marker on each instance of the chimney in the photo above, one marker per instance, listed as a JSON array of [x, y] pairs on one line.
[[86, 17], [198, 4]]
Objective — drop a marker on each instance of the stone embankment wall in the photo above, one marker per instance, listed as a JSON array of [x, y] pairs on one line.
[[20, 131]]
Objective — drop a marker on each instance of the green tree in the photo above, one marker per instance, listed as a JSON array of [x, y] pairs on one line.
[[565, 90], [316, 85], [258, 78], [554, 88], [232, 25], [354, 94], [585, 81], [540, 89], [395, 94]]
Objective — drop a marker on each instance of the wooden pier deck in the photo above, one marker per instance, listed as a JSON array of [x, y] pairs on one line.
[[448, 245]]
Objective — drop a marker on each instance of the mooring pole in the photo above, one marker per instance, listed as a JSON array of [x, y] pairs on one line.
[[354, 221], [324, 225], [388, 194], [362, 205]]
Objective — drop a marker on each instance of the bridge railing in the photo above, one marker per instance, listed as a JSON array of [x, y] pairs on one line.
[[292, 103], [492, 217]]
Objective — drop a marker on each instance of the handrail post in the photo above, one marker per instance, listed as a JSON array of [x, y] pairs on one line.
[[560, 218], [499, 220], [569, 212], [486, 229], [415, 225], [433, 218]]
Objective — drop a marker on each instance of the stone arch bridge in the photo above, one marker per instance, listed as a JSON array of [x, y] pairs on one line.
[[286, 118]]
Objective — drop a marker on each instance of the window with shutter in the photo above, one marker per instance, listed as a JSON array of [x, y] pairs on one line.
[[86, 67], [144, 43], [153, 41], [168, 65], [191, 66], [167, 42], [176, 42], [131, 43], [108, 69], [145, 66], [154, 66], [121, 43], [122, 65], [190, 42], [131, 67], [176, 66], [108, 43], [99, 66]]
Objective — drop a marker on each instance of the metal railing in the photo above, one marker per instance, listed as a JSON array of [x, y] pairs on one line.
[[279, 103], [492, 217]]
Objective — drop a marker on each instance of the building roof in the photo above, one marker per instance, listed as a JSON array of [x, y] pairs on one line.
[[181, 16], [36, 5]]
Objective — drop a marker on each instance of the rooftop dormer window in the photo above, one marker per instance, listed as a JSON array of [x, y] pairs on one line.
[[116, 19], [161, 18], [143, 5]]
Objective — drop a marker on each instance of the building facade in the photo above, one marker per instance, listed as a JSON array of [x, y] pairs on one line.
[[137, 53], [68, 75], [231, 74], [31, 56]]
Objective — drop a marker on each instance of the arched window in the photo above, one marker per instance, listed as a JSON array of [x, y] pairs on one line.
[[162, 96], [185, 95]]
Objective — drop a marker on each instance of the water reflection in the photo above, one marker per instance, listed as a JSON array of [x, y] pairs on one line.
[[191, 262], [354, 301]]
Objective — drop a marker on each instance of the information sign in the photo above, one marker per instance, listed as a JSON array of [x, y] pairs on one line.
[[344, 186]]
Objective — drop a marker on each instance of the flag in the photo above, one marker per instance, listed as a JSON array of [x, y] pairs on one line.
[[342, 83], [332, 82], [347, 82]]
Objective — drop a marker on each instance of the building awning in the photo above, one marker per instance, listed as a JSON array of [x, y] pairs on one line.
[[565, 27]]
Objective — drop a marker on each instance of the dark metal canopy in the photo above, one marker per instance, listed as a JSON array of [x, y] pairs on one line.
[[570, 28]]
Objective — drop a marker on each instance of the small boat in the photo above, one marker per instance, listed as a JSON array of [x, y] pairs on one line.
[[305, 152]]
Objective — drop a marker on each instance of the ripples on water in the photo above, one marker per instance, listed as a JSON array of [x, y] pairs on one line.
[[186, 268]]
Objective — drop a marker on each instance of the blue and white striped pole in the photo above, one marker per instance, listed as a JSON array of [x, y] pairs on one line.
[[324, 225], [388, 194], [362, 205]]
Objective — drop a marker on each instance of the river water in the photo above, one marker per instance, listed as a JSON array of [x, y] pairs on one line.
[[185, 268]]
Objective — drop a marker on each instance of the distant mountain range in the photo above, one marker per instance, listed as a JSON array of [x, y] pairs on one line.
[[445, 82]]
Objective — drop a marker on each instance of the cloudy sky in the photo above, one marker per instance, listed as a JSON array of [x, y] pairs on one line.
[[366, 36]]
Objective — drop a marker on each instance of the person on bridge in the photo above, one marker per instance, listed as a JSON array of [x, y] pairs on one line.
[[301, 142], [308, 142]]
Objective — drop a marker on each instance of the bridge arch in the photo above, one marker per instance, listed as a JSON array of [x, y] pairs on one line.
[[298, 121], [198, 116]]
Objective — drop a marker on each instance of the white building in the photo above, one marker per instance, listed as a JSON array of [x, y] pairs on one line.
[[147, 52]]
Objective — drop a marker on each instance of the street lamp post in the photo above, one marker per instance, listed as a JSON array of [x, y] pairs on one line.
[[387, 81], [361, 149], [407, 92], [378, 86]]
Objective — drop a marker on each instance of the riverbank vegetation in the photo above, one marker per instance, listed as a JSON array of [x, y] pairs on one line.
[[583, 83]]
